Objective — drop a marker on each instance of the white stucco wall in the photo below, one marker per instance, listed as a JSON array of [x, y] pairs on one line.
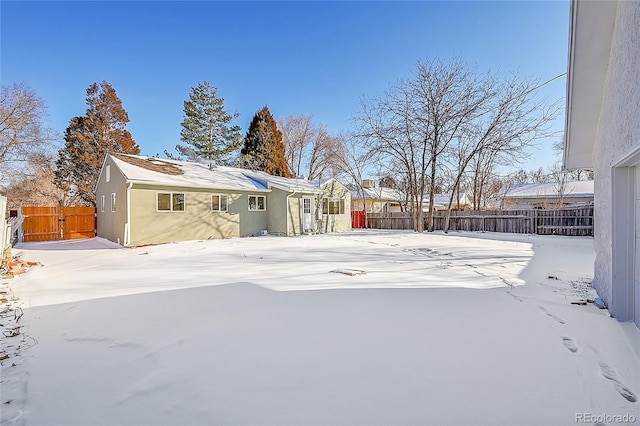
[[618, 132]]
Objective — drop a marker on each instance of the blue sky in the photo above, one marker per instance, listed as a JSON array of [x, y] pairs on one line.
[[299, 58]]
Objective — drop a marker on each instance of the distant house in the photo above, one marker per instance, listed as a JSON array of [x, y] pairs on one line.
[[602, 132], [376, 199], [547, 195], [461, 202], [379, 199], [146, 200]]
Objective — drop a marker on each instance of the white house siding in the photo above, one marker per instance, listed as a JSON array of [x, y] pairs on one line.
[[618, 136]]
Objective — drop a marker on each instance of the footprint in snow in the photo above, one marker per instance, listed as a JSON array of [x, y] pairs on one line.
[[508, 283], [570, 344], [515, 296], [550, 315], [446, 265], [609, 373], [475, 269]]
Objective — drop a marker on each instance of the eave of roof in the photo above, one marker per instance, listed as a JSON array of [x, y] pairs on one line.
[[198, 186], [534, 196], [590, 35], [198, 176]]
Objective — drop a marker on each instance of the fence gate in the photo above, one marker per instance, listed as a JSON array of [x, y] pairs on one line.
[[58, 223], [358, 219]]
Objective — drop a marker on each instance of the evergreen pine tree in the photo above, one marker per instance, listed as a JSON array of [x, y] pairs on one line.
[[206, 129], [88, 138], [263, 147]]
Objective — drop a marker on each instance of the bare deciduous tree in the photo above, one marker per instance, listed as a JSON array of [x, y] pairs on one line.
[[352, 162], [33, 185], [417, 119], [388, 127], [309, 148], [23, 130], [510, 120], [296, 133]]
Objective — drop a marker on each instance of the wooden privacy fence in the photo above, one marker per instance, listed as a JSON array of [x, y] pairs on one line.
[[564, 221], [58, 223]]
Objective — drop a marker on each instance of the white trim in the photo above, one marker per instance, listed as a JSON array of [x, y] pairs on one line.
[[257, 209], [311, 214], [630, 159], [113, 202], [333, 199], [623, 236], [127, 226], [107, 173], [171, 194], [103, 201], [592, 25], [622, 243], [184, 185], [226, 203]]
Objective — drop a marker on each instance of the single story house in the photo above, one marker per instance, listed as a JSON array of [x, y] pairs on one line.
[[374, 199], [380, 199], [602, 133], [547, 195], [441, 202], [147, 200]]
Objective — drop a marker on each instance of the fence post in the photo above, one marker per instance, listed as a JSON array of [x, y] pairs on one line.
[[5, 229]]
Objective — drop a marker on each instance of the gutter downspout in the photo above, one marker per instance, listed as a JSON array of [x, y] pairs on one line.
[[127, 227], [293, 193]]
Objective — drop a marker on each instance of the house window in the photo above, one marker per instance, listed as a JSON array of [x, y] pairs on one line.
[[219, 203], [257, 203], [107, 174], [306, 205], [170, 202], [102, 203], [113, 201], [332, 206]]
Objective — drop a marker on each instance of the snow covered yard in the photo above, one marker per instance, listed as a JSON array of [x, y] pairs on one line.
[[459, 329]]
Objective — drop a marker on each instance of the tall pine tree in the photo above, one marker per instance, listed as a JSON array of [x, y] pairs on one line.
[[88, 138], [263, 147], [206, 129]]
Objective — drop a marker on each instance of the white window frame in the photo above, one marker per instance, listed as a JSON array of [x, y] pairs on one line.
[[107, 174], [113, 202], [220, 203], [103, 201], [264, 203], [171, 209], [341, 206]]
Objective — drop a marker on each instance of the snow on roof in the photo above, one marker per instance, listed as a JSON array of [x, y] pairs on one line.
[[549, 189], [287, 184], [163, 172], [443, 199], [379, 193]]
